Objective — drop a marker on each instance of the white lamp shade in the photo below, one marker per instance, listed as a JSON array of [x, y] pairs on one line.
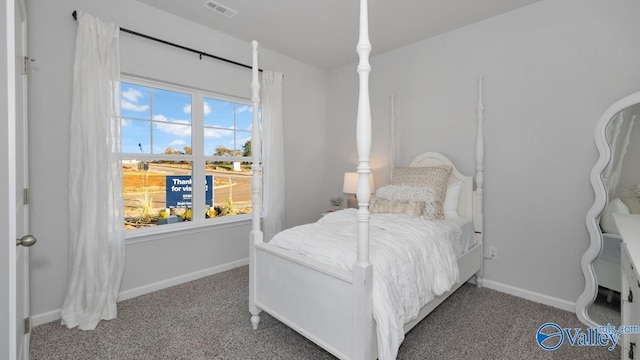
[[350, 183]]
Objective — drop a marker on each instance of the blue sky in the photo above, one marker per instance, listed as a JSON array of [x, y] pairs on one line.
[[156, 119]]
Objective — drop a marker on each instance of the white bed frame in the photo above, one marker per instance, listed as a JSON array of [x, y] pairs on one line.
[[330, 306]]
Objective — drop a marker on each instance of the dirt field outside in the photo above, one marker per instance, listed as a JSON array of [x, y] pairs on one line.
[[144, 193]]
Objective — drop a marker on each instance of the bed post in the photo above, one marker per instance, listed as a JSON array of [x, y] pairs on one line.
[[478, 222], [255, 236], [362, 269]]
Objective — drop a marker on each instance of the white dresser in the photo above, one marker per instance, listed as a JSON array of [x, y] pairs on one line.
[[629, 227]]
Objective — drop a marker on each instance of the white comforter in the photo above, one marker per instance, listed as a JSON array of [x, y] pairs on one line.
[[413, 261]]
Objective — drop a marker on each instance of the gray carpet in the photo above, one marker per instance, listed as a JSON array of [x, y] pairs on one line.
[[209, 319]]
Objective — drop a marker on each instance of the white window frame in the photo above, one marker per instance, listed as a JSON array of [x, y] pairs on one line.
[[197, 158]]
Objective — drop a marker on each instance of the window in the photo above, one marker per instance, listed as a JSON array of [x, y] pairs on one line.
[[171, 135]]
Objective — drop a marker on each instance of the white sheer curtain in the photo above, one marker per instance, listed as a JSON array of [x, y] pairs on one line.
[[96, 244], [273, 153]]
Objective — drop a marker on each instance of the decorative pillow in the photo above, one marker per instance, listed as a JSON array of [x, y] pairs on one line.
[[607, 224], [435, 177], [450, 205], [408, 207], [432, 208]]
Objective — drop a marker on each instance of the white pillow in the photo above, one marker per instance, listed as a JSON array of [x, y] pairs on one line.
[[450, 205], [413, 193], [607, 224]]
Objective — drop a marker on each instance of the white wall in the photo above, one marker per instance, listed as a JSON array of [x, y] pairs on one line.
[[161, 260], [550, 71]]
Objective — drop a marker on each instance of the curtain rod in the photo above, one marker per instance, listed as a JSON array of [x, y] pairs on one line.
[[200, 53]]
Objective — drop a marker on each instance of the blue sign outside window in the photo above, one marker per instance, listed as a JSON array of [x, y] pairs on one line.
[[178, 191]]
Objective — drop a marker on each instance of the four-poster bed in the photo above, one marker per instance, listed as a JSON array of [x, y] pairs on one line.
[[336, 302]]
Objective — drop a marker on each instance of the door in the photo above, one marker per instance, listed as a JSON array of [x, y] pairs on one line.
[[14, 284], [23, 322]]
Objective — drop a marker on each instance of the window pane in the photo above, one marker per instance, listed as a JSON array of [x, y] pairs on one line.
[[135, 101], [244, 117], [172, 122], [171, 138], [218, 113], [156, 193], [232, 189], [136, 136], [218, 142], [171, 106], [243, 139]]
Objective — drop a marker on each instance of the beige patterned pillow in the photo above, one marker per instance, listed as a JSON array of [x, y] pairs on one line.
[[435, 177], [413, 193], [411, 208]]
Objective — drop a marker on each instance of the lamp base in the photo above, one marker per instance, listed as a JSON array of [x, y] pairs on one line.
[[352, 202]]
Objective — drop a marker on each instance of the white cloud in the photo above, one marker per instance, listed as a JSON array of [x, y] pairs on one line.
[[210, 133], [133, 107], [173, 127], [241, 141], [125, 122], [245, 108], [207, 109], [177, 142], [132, 95], [130, 99]]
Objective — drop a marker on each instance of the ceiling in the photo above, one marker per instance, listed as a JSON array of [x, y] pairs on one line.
[[324, 33]]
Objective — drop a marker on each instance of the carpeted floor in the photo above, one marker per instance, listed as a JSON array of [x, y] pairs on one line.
[[209, 319]]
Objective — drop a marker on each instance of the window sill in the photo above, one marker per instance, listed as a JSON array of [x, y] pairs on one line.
[[172, 230]]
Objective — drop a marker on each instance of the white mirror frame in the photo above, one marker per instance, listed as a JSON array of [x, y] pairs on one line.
[[590, 292]]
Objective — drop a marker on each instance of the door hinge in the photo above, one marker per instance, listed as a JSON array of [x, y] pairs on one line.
[[25, 64], [25, 196], [27, 325], [630, 297]]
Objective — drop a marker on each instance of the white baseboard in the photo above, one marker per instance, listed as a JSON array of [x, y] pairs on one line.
[[46, 317], [530, 295], [54, 315], [149, 288]]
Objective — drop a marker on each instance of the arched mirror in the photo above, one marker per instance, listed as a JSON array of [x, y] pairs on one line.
[[616, 182]]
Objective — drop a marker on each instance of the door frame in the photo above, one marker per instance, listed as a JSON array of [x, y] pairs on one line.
[[8, 196]]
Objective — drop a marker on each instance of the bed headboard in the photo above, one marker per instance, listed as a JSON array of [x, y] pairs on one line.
[[465, 200]]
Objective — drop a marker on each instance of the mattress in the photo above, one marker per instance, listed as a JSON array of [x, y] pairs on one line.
[[463, 236]]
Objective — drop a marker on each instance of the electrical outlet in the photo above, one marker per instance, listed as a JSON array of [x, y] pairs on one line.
[[493, 252]]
